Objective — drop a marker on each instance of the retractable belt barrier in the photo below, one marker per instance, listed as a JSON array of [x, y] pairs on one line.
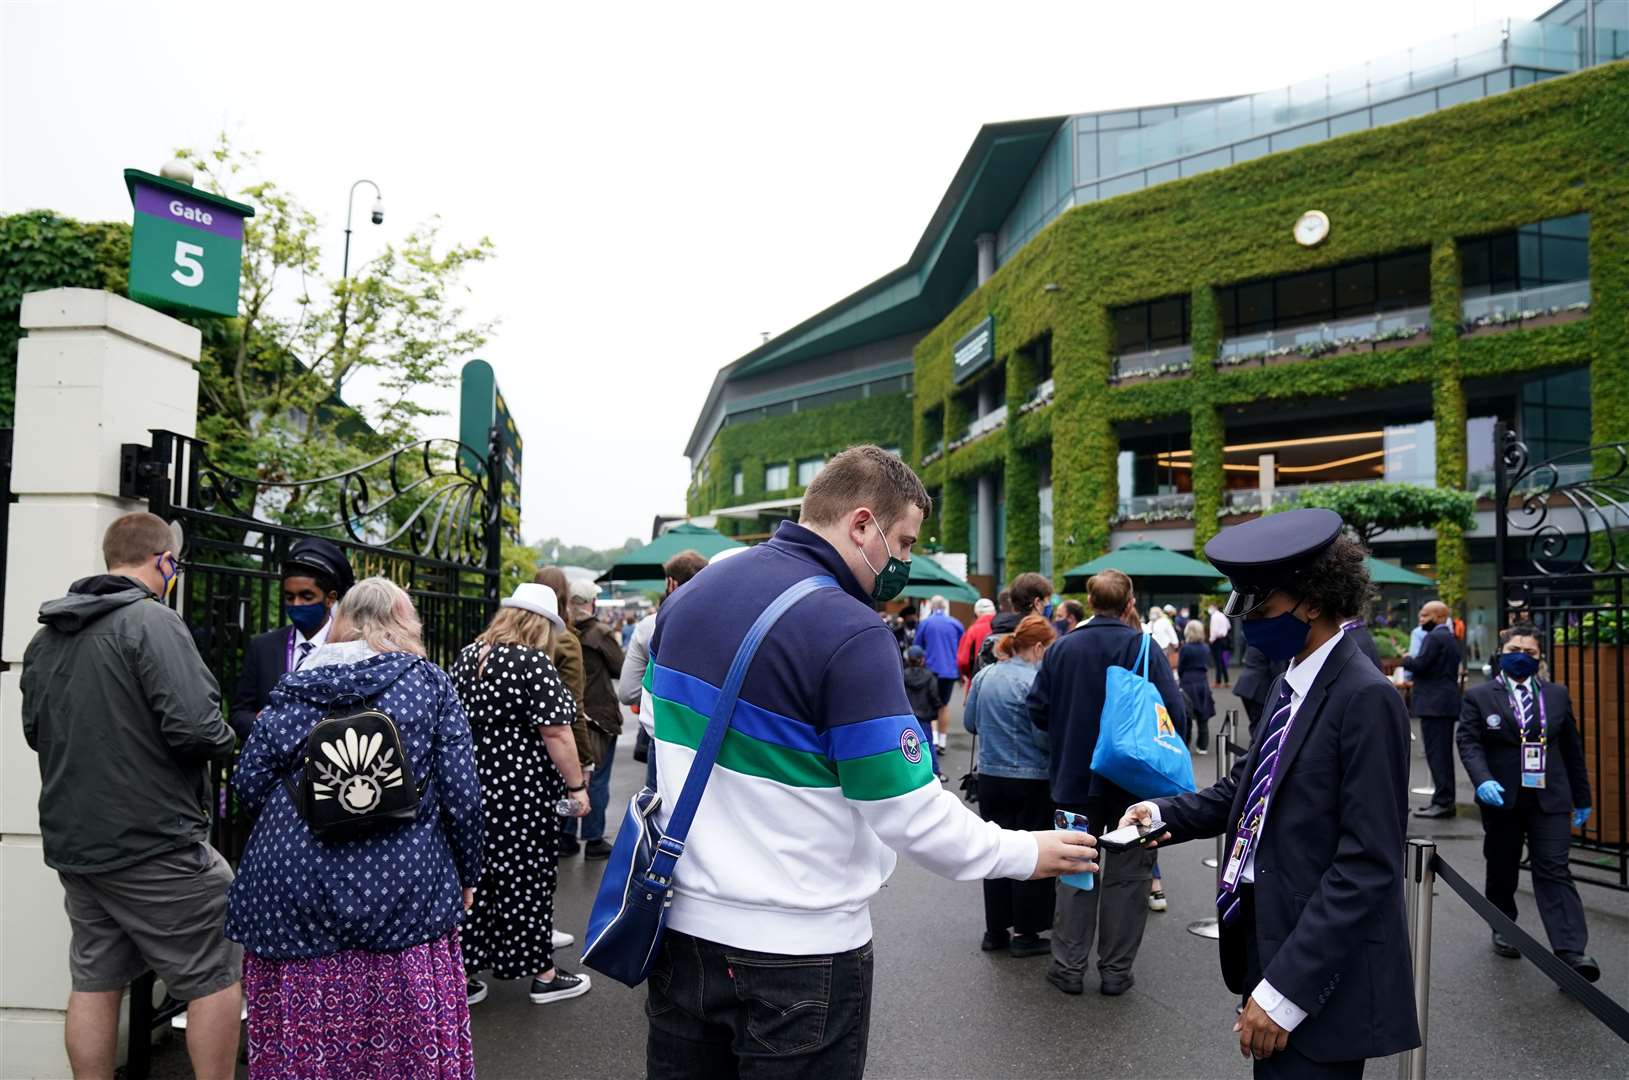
[[1607, 1011]]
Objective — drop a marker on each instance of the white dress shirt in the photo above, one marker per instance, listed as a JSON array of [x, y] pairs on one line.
[[1220, 625], [316, 641], [1299, 678], [1164, 632]]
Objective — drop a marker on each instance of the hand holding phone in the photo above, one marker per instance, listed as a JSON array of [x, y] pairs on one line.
[[1143, 814], [1138, 834]]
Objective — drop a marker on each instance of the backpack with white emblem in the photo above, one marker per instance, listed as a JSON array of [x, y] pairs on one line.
[[355, 778]]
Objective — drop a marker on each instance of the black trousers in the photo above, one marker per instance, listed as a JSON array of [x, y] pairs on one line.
[[1252, 712], [1024, 907], [1289, 1063], [1217, 649], [1437, 732], [718, 1012], [1549, 839]]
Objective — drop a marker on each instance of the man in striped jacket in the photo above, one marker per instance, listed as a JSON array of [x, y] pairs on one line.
[[824, 775]]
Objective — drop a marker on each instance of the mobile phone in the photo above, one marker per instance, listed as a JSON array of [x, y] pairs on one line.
[[1132, 836], [1069, 821]]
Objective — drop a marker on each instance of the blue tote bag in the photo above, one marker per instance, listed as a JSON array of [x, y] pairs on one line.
[[630, 911], [1138, 747]]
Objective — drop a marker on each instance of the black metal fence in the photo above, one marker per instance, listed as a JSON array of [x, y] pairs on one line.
[[1561, 545]]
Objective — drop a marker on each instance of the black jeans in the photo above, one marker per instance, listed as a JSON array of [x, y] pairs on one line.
[[1217, 648], [717, 1011], [1026, 805]]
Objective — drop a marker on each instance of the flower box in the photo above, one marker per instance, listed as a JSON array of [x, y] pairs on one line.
[[1593, 676]]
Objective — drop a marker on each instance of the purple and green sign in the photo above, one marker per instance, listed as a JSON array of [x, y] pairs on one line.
[[186, 247]]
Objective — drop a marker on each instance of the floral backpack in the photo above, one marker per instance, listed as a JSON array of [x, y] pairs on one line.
[[355, 779]]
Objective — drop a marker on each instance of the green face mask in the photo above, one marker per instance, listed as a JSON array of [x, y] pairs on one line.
[[892, 578]]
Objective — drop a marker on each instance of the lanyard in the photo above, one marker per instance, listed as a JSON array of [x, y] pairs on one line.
[[1515, 707], [288, 661], [1258, 812], [1352, 625]]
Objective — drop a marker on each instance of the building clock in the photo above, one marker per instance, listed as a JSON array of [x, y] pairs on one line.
[[1311, 228]]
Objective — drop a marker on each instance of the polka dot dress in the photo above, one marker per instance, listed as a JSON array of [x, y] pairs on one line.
[[507, 699]]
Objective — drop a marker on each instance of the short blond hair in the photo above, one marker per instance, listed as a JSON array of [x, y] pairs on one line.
[[1194, 632], [376, 610], [517, 626]]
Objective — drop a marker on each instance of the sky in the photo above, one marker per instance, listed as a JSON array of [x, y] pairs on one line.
[[663, 182]]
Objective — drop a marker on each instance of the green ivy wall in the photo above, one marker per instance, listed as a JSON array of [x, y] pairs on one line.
[[1548, 150]]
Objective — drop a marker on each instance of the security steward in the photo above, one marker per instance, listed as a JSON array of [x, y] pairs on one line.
[[1521, 748], [316, 575], [1311, 895]]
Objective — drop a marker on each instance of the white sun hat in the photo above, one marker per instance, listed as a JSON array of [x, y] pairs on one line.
[[538, 599]]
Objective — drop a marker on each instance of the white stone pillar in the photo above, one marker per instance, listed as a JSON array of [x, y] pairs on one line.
[[987, 524], [1266, 478], [986, 244], [95, 371]]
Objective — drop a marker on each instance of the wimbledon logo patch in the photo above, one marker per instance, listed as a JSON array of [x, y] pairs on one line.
[[910, 744]]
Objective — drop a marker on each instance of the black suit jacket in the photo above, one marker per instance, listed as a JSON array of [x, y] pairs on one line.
[[1329, 922], [1365, 643], [1256, 676], [1493, 751], [264, 662], [1436, 673], [1066, 701]]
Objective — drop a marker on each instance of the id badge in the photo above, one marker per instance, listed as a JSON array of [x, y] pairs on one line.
[[1235, 862], [1532, 765]]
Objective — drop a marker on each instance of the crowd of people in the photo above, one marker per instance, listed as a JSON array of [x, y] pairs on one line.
[[408, 822]]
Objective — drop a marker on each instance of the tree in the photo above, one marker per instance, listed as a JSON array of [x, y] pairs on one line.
[[1370, 509]]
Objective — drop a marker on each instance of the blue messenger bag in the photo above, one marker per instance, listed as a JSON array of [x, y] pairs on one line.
[[630, 911]]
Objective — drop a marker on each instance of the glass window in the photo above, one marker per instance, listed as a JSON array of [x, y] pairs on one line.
[[780, 408], [1253, 148], [1555, 414], [738, 483], [1391, 112], [1411, 453], [1404, 281], [1347, 123], [1045, 500], [1086, 155], [1161, 173], [1354, 289], [1552, 252], [1214, 159], [777, 477], [1121, 185], [1130, 328], [1459, 93], [808, 469], [1303, 298], [1159, 324], [1254, 307], [1301, 136]]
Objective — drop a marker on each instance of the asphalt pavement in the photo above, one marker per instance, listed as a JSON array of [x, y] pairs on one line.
[[943, 1009]]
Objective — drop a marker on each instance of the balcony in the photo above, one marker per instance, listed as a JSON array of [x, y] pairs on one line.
[[934, 452], [1366, 333], [994, 420], [1543, 306], [1156, 508], [1038, 397], [1139, 367]]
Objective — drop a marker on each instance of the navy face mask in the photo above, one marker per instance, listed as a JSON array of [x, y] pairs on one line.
[[1518, 665], [1279, 638], [307, 618]]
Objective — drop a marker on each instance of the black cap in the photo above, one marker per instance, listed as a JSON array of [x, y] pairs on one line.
[[1266, 554], [323, 556]]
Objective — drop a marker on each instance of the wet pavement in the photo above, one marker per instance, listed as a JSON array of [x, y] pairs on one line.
[[944, 1009]]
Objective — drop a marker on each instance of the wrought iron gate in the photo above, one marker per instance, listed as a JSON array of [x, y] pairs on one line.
[[1561, 549], [426, 516]]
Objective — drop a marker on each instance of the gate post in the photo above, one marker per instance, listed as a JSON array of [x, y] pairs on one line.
[[95, 371], [494, 525]]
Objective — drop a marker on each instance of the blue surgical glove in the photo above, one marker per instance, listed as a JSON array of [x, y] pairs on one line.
[[1491, 792], [1580, 816]]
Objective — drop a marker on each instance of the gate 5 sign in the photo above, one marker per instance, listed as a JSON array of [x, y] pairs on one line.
[[186, 248]]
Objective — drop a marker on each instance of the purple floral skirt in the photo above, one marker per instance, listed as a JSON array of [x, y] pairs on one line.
[[361, 1014]]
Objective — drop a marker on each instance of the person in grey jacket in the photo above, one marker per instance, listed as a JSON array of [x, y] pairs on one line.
[[125, 718], [631, 683]]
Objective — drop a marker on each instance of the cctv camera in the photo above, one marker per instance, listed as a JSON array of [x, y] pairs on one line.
[[379, 211]]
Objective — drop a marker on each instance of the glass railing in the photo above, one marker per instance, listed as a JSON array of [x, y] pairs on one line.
[[1154, 361], [1316, 339], [1157, 507], [1526, 303], [985, 424], [1472, 52], [1041, 393]]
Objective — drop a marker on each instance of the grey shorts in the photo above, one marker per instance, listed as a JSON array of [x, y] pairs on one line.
[[166, 914]]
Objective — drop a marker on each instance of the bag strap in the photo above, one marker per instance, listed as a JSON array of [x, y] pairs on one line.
[[1142, 656], [671, 846]]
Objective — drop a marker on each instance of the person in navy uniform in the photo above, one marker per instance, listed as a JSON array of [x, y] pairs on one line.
[[1256, 677], [1435, 666], [1313, 933], [316, 575], [1520, 745]]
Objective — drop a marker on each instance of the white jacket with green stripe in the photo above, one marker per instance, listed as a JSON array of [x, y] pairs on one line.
[[824, 774]]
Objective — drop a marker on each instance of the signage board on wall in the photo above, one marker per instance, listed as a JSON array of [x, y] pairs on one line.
[[481, 407], [186, 246], [975, 350]]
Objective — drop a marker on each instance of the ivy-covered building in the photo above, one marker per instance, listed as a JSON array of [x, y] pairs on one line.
[[1146, 324]]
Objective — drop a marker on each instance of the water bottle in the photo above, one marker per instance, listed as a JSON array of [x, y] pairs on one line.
[[1069, 821], [566, 807]]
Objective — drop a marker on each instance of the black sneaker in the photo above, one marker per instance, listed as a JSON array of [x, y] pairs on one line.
[[564, 985], [569, 846], [596, 849], [1584, 965], [475, 991], [1504, 948], [994, 942], [1029, 945], [1115, 987], [1069, 984]]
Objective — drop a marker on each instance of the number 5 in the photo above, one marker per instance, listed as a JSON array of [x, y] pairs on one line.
[[189, 271]]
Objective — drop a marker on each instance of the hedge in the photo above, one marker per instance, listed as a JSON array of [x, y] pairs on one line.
[[1544, 151]]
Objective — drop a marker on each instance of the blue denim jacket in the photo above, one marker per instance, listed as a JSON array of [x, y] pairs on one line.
[[1009, 745]]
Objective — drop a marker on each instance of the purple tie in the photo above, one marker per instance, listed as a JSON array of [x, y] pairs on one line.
[[1261, 787]]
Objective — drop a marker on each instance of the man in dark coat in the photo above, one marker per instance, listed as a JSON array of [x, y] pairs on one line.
[[602, 663], [1311, 899], [1519, 741], [1435, 667], [1362, 639], [1255, 679], [1066, 701], [316, 576]]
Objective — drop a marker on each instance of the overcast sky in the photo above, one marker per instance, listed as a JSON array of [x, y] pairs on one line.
[[663, 181]]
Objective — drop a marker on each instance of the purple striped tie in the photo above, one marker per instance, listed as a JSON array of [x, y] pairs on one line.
[[1261, 787]]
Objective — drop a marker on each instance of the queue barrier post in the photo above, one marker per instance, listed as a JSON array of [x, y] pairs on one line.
[[1419, 879], [1212, 927]]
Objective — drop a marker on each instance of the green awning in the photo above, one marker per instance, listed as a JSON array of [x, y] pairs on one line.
[[929, 579], [646, 563], [1147, 562]]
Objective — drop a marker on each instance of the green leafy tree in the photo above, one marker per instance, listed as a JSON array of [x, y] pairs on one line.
[[555, 552], [1370, 509]]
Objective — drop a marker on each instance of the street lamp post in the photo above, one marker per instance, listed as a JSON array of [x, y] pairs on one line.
[[378, 217]]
